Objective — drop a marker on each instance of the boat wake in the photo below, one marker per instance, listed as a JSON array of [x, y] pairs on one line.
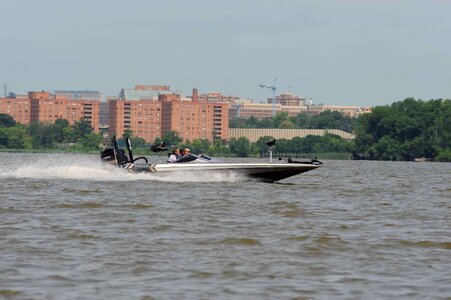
[[83, 167]]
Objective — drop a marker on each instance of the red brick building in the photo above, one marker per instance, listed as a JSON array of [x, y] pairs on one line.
[[193, 120], [142, 117], [47, 108], [152, 119], [18, 108]]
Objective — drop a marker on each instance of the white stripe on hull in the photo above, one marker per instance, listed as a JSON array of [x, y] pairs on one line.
[[267, 172]]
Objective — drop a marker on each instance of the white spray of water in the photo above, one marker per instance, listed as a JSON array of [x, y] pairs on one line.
[[84, 167]]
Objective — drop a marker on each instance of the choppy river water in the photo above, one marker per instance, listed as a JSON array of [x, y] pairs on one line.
[[351, 229]]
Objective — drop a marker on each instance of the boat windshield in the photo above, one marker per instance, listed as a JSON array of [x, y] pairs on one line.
[[193, 158]]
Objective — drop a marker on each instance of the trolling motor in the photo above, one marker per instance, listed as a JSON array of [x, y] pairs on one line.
[[160, 147], [271, 144], [117, 156]]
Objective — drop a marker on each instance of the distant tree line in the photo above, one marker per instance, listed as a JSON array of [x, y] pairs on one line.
[[60, 134], [405, 130], [325, 120], [242, 147]]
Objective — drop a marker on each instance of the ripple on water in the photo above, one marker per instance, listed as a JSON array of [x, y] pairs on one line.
[[298, 238], [231, 241], [59, 278], [240, 241], [81, 236], [139, 206], [287, 209], [12, 210], [9, 294], [345, 231], [82, 191], [201, 274], [426, 244], [80, 205], [329, 240]]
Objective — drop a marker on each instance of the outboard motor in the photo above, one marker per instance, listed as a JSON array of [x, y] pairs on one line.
[[117, 156], [112, 157], [107, 156]]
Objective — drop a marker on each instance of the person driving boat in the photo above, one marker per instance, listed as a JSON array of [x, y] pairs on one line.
[[185, 151]]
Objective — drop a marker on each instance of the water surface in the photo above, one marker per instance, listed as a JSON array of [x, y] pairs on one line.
[[351, 229]]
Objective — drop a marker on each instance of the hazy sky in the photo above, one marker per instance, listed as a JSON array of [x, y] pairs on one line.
[[335, 52]]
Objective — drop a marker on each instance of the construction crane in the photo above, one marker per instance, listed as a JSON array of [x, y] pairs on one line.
[[273, 88]]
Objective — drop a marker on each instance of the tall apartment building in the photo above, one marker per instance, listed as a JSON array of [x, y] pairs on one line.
[[151, 119], [195, 119], [104, 113], [142, 117], [47, 108], [18, 108], [288, 99]]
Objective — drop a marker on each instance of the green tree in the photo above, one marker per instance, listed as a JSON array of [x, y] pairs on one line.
[[284, 146], [200, 145], [137, 142], [309, 144], [172, 138], [127, 134], [69, 134], [444, 155], [332, 143], [252, 122], [404, 130], [82, 128], [63, 123], [4, 137], [386, 148], [218, 148], [46, 135], [237, 123], [18, 138], [301, 121], [58, 128], [260, 144], [241, 146], [91, 140], [278, 119], [331, 120], [286, 125], [6, 121]]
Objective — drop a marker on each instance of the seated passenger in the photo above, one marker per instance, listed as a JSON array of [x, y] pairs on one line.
[[175, 155]]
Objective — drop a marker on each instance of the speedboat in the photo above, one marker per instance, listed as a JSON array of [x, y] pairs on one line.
[[268, 172]]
